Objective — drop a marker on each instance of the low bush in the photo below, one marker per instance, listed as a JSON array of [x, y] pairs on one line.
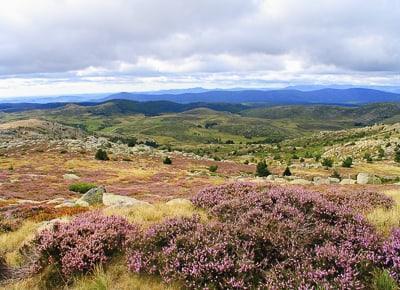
[[213, 168], [167, 161], [262, 169], [78, 246], [327, 162], [390, 254], [348, 162], [274, 238], [81, 187], [287, 172], [101, 155]]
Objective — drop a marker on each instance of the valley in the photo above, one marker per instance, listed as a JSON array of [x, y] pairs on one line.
[[155, 161]]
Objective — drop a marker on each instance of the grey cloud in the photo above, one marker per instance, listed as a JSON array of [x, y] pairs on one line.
[[49, 36]]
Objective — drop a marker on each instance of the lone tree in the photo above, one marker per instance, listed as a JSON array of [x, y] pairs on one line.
[[348, 162], [287, 172], [327, 162], [262, 169], [397, 156], [101, 155], [167, 160], [213, 168]]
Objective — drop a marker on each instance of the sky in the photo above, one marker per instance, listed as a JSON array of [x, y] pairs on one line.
[[59, 47]]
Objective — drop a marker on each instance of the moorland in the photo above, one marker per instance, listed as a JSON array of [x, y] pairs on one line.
[[162, 194]]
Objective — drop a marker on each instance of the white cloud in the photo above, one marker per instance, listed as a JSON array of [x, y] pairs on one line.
[[62, 46]]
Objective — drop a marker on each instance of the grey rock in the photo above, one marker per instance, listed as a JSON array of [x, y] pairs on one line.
[[121, 201], [70, 176], [92, 197], [348, 181], [300, 182], [180, 201], [49, 225], [366, 178], [320, 180], [333, 180]]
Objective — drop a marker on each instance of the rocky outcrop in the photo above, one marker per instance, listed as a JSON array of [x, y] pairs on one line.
[[70, 176], [114, 200], [92, 197], [320, 180], [300, 182], [366, 178], [348, 181], [180, 201]]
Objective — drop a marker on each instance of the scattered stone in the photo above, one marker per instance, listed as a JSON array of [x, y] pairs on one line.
[[366, 178], [56, 201], [280, 180], [48, 225], [69, 203], [320, 180], [348, 181], [70, 176], [270, 177], [333, 180], [300, 181], [121, 201], [180, 201], [92, 197], [27, 201]]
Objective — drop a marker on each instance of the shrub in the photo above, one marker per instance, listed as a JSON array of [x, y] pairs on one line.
[[336, 174], [383, 281], [101, 155], [266, 238], [367, 157], [381, 152], [277, 157], [78, 246], [287, 172], [81, 187], [262, 169], [390, 255], [167, 160], [348, 162], [5, 272], [327, 162], [213, 168], [397, 156]]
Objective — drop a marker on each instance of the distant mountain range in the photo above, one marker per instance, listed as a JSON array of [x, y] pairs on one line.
[[273, 97], [302, 95]]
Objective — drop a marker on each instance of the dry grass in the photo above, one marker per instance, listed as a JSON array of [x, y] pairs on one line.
[[386, 220], [11, 242], [146, 215], [116, 276]]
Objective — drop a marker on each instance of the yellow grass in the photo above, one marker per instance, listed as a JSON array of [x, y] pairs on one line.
[[386, 220], [116, 276], [11, 242], [378, 168], [146, 215]]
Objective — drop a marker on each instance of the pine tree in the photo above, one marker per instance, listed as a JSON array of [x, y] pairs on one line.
[[262, 169], [287, 172]]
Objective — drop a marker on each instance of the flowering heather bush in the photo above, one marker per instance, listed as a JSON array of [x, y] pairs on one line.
[[359, 200], [390, 255], [200, 255], [77, 246], [274, 238]]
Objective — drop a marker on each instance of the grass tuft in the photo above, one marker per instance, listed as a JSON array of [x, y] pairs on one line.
[[387, 219], [146, 215]]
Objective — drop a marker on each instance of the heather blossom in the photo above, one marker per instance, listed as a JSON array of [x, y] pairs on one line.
[[88, 240]]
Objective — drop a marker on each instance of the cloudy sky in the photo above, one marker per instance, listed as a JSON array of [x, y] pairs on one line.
[[50, 47]]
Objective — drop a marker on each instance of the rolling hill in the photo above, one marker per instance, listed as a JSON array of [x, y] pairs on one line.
[[285, 96]]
